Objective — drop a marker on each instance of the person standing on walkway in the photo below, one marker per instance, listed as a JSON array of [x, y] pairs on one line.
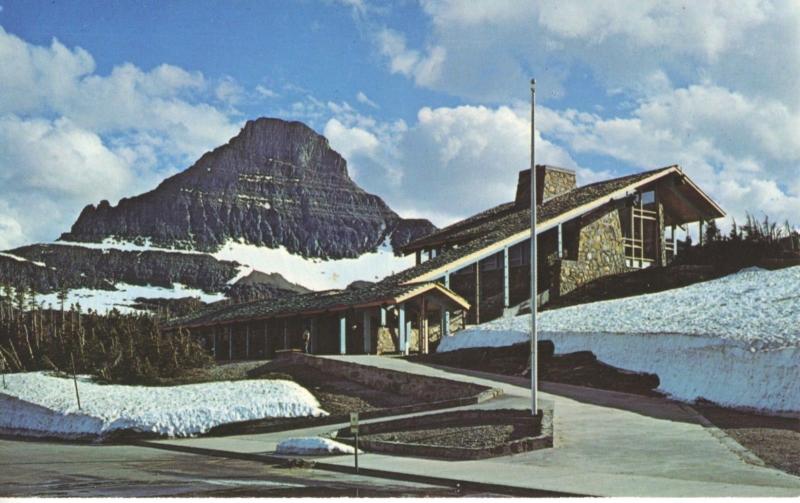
[[306, 341]]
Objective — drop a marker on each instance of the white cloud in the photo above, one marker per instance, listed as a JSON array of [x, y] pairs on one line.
[[362, 98], [424, 68], [744, 152], [229, 91], [266, 92], [71, 136]]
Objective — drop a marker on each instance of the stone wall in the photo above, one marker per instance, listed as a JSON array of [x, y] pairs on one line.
[[550, 182], [600, 252], [425, 388]]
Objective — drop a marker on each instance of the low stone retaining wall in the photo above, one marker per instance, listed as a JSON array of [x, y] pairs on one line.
[[448, 419], [425, 388]]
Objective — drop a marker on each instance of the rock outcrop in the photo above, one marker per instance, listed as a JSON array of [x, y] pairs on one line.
[[275, 184]]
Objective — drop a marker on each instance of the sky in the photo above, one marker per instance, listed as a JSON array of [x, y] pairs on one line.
[[429, 101]]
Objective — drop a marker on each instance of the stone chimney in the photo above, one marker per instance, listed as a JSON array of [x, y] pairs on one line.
[[551, 181]]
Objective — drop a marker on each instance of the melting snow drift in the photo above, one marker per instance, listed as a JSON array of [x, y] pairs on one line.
[[313, 445], [734, 340], [36, 403]]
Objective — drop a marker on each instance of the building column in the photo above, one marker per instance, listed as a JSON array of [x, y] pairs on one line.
[[478, 292], [446, 312], [674, 243], [285, 334], [343, 333], [383, 316], [700, 232], [214, 343], [401, 327], [266, 352], [367, 327], [444, 326], [423, 326], [560, 241], [506, 276], [247, 342], [230, 343], [314, 334], [419, 257]]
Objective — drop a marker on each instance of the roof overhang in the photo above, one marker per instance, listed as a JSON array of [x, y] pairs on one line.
[[426, 288], [712, 210]]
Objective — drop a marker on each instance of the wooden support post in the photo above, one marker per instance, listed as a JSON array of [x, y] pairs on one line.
[[342, 333], [560, 241], [478, 292], [419, 257], [641, 227], [446, 312], [247, 342], [423, 326], [444, 326], [674, 243], [230, 343], [285, 334], [506, 275], [401, 328], [214, 342], [266, 338], [314, 334], [367, 326], [700, 232]]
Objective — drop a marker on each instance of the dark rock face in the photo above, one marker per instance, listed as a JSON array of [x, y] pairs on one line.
[[78, 267], [259, 285], [275, 184]]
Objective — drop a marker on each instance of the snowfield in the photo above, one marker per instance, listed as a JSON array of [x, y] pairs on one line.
[[123, 298], [39, 404], [314, 273], [734, 340], [313, 445]]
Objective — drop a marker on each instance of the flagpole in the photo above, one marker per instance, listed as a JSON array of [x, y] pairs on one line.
[[534, 290]]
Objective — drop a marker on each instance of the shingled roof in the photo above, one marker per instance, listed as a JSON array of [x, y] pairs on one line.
[[483, 232], [377, 294], [465, 240]]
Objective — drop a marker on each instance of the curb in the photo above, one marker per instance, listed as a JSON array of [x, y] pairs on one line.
[[370, 472], [728, 441]]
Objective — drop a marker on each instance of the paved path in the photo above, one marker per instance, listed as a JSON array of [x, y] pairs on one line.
[[606, 444]]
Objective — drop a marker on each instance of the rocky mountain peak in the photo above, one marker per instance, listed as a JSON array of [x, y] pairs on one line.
[[276, 183]]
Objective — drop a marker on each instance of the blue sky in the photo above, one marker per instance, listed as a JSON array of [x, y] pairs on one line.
[[427, 100]]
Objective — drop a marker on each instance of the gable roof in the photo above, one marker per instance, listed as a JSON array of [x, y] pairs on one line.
[[489, 232], [377, 294]]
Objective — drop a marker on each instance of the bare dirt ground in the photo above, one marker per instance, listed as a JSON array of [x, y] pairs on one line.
[[336, 394]]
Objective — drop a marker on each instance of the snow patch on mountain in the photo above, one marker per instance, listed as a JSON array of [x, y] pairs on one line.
[[124, 297], [315, 273]]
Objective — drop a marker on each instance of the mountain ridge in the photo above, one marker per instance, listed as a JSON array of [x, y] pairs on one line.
[[276, 183]]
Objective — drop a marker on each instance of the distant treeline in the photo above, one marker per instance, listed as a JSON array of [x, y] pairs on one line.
[[749, 244], [115, 347]]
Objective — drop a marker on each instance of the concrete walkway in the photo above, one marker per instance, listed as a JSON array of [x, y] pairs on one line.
[[606, 444]]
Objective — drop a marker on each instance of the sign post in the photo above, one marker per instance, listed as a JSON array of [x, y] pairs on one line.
[[354, 431]]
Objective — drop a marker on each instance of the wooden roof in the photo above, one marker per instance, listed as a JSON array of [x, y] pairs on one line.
[[330, 301], [501, 226]]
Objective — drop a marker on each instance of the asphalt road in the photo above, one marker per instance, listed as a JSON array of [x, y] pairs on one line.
[[57, 469]]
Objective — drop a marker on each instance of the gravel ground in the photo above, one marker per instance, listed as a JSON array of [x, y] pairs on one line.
[[492, 428], [776, 440]]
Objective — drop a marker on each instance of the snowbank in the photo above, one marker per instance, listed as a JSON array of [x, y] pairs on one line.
[[733, 340], [37, 403], [313, 445]]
